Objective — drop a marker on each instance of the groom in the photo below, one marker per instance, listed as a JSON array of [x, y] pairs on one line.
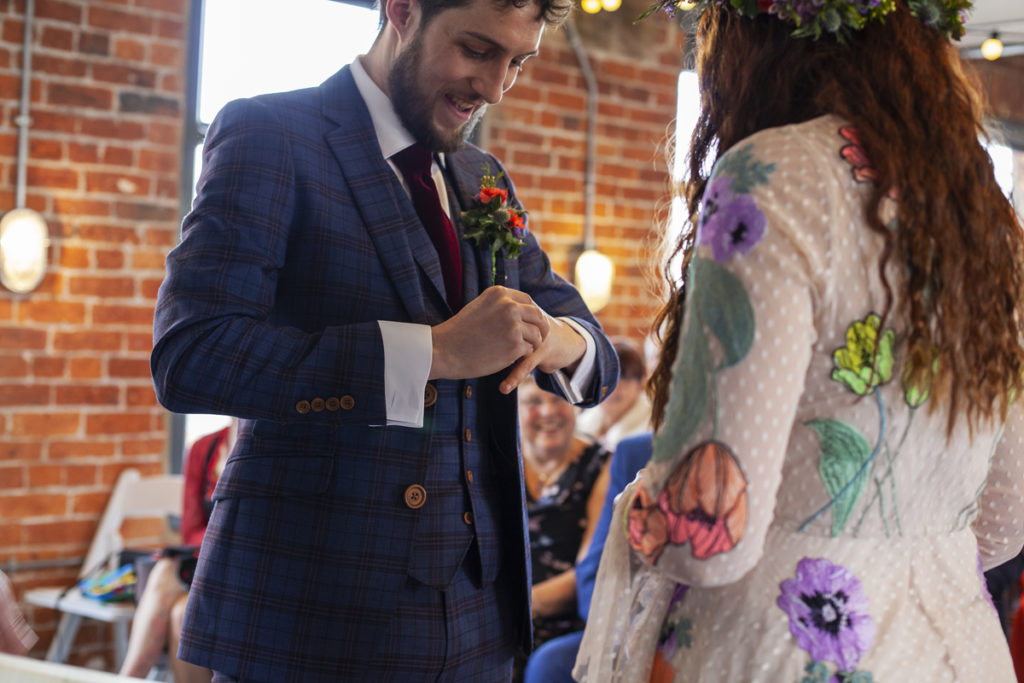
[[369, 524]]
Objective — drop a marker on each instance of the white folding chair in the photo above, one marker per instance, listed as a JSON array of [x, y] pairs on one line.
[[133, 497]]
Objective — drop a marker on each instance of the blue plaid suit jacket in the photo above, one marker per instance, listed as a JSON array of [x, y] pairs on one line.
[[300, 240]]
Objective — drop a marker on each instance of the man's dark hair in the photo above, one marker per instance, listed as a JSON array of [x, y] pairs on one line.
[[553, 12]]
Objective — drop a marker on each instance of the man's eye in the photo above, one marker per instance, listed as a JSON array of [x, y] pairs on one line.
[[474, 54]]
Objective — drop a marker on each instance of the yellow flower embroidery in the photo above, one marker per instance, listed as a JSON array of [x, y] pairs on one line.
[[866, 360]]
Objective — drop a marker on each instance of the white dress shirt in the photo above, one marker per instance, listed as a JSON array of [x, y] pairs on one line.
[[408, 347]]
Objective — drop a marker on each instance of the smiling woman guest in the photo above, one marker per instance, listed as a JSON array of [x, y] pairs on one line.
[[566, 481]]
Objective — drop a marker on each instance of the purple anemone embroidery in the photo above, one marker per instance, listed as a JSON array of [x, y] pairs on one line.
[[828, 612], [730, 222]]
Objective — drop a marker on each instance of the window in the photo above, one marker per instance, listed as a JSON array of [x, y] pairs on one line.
[[248, 47]]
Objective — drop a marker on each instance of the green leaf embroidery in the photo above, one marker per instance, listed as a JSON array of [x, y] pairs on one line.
[[843, 451], [817, 672], [688, 399], [745, 172], [725, 308]]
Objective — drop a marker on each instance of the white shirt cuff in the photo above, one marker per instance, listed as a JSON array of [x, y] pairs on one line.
[[574, 386], [408, 350]]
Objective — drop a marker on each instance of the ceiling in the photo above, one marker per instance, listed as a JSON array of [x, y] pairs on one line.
[[1005, 16]]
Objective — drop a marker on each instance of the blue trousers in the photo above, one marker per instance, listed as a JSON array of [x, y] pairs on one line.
[[552, 662]]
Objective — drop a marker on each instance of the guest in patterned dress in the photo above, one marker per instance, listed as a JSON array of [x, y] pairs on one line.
[[566, 480], [838, 450]]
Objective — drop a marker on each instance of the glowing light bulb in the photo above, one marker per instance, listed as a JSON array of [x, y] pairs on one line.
[[611, 5], [686, 5], [594, 272], [591, 6], [992, 48]]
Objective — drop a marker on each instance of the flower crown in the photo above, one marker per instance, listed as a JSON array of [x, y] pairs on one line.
[[813, 18]]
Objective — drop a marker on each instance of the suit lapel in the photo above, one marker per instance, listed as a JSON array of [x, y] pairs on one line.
[[388, 215], [462, 173]]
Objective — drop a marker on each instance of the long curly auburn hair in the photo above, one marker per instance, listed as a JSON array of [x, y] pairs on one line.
[[919, 118]]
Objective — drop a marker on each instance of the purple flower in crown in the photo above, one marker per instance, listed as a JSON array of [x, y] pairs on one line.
[[729, 222], [828, 612]]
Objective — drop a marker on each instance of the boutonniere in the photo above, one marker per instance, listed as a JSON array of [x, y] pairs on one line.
[[493, 223]]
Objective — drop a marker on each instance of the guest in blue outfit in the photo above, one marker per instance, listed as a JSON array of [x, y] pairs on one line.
[[552, 662]]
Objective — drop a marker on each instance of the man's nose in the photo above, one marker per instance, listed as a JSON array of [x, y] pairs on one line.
[[495, 82]]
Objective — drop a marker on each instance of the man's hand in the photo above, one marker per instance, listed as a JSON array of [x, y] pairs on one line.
[[490, 333], [562, 347]]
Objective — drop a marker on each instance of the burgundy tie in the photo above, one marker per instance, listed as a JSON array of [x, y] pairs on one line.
[[414, 163]]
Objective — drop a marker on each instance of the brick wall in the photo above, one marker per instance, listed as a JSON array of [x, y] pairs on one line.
[[539, 131], [76, 400]]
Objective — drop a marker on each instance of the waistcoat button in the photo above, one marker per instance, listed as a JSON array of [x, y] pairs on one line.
[[415, 496]]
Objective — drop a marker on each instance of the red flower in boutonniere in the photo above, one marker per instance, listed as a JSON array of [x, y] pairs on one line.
[[493, 223]]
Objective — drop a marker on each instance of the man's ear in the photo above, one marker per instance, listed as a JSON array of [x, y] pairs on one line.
[[400, 15]]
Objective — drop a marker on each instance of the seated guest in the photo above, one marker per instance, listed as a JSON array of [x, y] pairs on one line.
[[627, 410], [161, 609], [566, 479], [552, 662], [16, 637]]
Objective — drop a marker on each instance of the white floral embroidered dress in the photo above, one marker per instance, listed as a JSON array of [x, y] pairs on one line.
[[806, 516]]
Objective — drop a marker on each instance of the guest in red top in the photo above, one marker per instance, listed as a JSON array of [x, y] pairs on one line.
[[158, 618]]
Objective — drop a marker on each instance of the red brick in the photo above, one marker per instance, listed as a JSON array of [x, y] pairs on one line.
[[88, 395], [86, 340], [45, 475], [134, 447], [110, 259], [89, 503], [164, 133], [86, 368], [20, 338], [57, 122], [61, 11], [129, 49], [74, 257], [175, 7], [63, 177], [60, 66], [11, 477], [48, 366], [116, 129], [109, 234], [118, 156], [170, 55], [25, 450], [80, 96], [125, 75], [80, 475], [140, 396], [45, 424], [139, 341], [13, 366], [163, 162], [118, 423], [128, 368], [148, 260], [121, 22], [146, 212], [116, 183], [94, 43], [65, 531], [171, 28], [150, 287], [122, 315], [24, 394], [52, 312], [81, 449], [27, 506], [81, 207], [46, 149], [102, 286]]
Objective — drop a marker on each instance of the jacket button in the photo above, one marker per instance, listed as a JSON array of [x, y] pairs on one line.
[[467, 517], [469, 436], [469, 392], [415, 496], [302, 407], [317, 404], [429, 395], [347, 403], [469, 476], [333, 403]]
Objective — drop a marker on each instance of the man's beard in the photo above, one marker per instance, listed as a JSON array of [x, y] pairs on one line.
[[415, 109]]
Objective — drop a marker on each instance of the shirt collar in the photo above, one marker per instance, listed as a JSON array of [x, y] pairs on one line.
[[392, 136]]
